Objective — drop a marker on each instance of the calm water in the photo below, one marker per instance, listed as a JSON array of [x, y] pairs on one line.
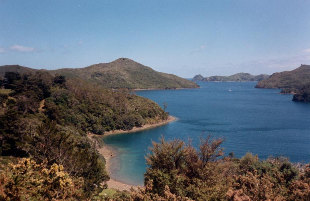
[[260, 121]]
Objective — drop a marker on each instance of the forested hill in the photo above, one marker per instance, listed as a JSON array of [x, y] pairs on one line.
[[16, 69], [47, 118], [239, 77], [296, 81], [121, 73]]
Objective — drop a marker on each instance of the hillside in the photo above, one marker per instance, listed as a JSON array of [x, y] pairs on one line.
[[296, 82], [239, 77], [302, 95], [16, 69], [48, 118], [294, 79], [121, 73], [126, 73]]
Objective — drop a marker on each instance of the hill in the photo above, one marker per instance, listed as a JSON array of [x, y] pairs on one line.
[[16, 69], [126, 73], [48, 118], [289, 80], [239, 77], [121, 73], [296, 82]]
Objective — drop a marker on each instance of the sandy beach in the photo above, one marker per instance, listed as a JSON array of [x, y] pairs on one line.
[[144, 127], [108, 152]]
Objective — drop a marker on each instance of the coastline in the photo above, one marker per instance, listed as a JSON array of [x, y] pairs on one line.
[[144, 127], [109, 152], [153, 89]]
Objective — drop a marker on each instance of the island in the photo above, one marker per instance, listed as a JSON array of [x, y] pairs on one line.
[[239, 77]]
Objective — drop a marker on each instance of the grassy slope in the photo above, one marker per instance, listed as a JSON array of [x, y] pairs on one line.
[[121, 73], [125, 73], [294, 79]]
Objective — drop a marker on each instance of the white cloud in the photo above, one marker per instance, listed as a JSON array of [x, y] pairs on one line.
[[20, 48], [2, 50]]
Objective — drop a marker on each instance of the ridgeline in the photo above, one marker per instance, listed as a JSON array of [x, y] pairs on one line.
[[296, 82], [121, 73], [239, 77]]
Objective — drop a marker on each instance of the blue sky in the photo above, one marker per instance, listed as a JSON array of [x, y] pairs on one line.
[[183, 37]]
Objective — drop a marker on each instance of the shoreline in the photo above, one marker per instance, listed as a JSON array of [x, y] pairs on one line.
[[108, 152], [153, 89], [142, 128]]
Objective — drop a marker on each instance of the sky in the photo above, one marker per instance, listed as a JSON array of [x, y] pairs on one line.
[[183, 37]]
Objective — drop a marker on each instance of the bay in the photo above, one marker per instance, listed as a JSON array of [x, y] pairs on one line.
[[260, 121]]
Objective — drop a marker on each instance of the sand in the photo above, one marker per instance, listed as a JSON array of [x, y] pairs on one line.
[[108, 152], [144, 127]]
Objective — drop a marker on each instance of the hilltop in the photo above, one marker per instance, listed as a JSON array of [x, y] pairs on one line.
[[126, 73], [121, 73], [296, 82], [239, 77], [294, 79], [16, 69]]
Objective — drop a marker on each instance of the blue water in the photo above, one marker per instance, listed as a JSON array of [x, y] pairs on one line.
[[260, 121]]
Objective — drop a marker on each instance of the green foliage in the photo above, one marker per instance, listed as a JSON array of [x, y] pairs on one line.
[[55, 144], [98, 110], [28, 180], [47, 118], [126, 73], [189, 173], [204, 175]]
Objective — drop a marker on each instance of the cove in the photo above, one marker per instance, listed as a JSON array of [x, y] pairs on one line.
[[260, 121]]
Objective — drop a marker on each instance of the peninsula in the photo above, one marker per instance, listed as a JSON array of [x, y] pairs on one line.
[[295, 82]]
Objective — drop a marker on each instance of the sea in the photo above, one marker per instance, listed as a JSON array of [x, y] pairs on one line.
[[261, 121]]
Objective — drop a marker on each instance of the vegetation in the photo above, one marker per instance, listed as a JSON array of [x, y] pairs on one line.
[[178, 170], [27, 180], [126, 73], [46, 118], [46, 155], [296, 82], [302, 95], [121, 73], [239, 77]]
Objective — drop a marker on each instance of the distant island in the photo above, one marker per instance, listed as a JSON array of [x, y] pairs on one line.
[[239, 77], [121, 73], [296, 82]]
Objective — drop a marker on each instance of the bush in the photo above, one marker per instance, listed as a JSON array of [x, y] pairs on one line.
[[28, 180]]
